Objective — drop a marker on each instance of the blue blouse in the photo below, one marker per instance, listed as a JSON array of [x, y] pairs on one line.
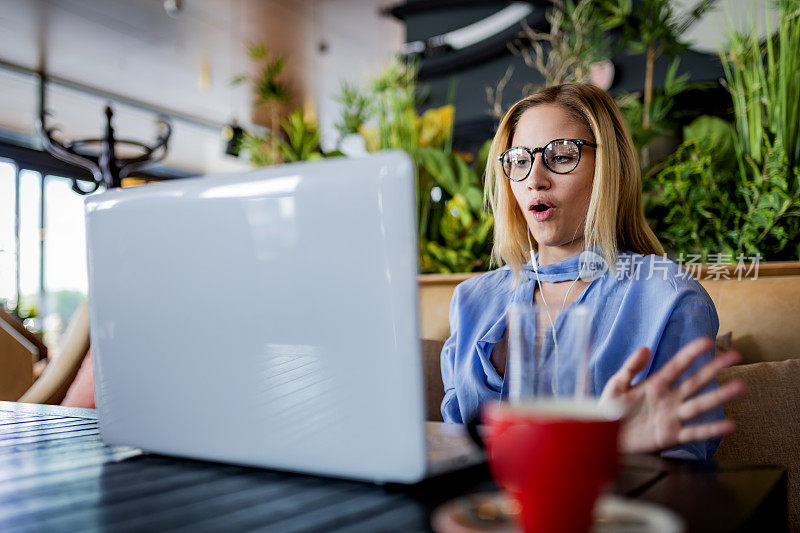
[[642, 301]]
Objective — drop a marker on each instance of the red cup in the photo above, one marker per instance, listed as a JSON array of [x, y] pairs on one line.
[[553, 457]]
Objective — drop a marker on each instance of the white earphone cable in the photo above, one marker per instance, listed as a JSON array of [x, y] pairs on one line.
[[535, 264]]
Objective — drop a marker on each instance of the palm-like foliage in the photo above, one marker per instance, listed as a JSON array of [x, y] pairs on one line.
[[454, 229], [301, 142], [267, 87]]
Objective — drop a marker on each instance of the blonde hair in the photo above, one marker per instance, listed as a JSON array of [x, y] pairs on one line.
[[615, 219]]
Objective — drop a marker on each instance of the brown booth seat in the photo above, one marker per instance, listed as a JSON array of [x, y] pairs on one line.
[[763, 316], [767, 423], [16, 362], [434, 389]]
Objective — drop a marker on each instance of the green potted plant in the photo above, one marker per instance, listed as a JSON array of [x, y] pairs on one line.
[[454, 229], [270, 91], [294, 138], [651, 28], [734, 189]]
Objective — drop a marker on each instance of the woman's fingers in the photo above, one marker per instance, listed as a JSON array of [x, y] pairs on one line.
[[706, 374], [635, 363], [686, 356], [704, 403], [711, 430]]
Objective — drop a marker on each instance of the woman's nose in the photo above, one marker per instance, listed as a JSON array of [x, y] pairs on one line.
[[539, 178]]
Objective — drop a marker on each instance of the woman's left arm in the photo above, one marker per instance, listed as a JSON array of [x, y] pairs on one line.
[[678, 404]]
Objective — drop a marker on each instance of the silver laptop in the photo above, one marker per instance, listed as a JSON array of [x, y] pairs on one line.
[[266, 319]]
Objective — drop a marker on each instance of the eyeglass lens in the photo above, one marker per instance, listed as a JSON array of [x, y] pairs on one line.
[[559, 156]]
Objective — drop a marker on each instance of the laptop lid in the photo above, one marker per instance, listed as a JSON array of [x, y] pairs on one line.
[[266, 318]]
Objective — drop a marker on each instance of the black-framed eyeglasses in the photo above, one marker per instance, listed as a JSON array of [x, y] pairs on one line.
[[559, 155]]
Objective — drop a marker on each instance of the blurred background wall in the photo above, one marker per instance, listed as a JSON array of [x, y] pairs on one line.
[[180, 57]]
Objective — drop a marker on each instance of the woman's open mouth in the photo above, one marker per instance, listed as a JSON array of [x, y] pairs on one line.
[[540, 210]]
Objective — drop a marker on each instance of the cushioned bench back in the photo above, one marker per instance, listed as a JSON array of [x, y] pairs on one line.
[[16, 362], [767, 423], [763, 316], [434, 390]]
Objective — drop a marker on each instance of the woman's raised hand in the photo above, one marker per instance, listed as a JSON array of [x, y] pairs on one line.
[[658, 409]]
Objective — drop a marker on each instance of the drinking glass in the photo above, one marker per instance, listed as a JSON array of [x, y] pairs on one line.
[[551, 447], [548, 356]]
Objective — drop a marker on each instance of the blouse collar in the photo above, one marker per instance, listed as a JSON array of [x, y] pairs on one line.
[[566, 270]]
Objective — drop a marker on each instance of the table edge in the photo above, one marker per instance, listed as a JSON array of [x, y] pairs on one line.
[[48, 410]]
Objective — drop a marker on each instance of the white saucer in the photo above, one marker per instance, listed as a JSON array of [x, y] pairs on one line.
[[494, 512], [624, 515]]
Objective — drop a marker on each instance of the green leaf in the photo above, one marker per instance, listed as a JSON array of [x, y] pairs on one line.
[[256, 51], [718, 132], [474, 198], [483, 156]]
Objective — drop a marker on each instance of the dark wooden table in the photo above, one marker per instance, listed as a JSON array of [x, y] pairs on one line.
[[56, 475]]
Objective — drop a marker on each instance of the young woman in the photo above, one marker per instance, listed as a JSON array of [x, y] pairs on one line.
[[563, 179]]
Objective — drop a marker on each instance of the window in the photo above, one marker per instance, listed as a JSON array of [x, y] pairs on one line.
[[42, 247], [30, 202], [8, 262], [64, 252], [43, 238]]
